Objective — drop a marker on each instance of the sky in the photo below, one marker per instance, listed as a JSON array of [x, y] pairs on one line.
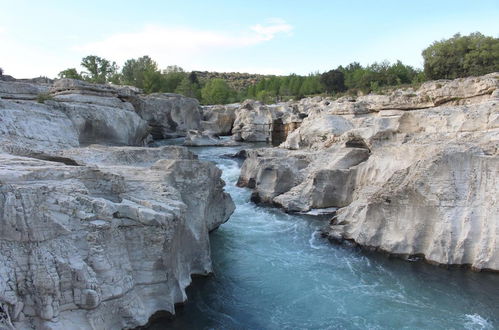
[[42, 38]]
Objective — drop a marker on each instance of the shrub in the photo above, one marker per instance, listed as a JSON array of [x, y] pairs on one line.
[[42, 97], [333, 81], [461, 56], [216, 91]]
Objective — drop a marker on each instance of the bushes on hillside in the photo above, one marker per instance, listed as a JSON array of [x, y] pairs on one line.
[[461, 56], [217, 91]]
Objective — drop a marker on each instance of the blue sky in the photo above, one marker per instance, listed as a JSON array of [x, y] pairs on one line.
[[275, 37]]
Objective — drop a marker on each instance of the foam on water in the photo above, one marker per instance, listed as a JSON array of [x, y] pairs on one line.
[[476, 322], [273, 270]]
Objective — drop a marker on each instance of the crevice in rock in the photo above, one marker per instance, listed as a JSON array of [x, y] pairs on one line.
[[58, 159], [357, 142]]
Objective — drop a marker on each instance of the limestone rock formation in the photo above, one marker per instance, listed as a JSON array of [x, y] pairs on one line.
[[27, 124], [98, 237], [253, 122], [202, 139], [168, 115], [256, 122], [71, 113], [22, 90], [105, 244], [99, 113], [414, 173], [219, 119]]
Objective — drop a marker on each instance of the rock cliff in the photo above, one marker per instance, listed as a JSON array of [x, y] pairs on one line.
[[413, 173], [97, 237]]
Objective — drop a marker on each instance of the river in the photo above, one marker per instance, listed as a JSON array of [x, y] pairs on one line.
[[273, 270]]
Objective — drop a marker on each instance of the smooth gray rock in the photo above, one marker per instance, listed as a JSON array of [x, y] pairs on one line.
[[34, 126]]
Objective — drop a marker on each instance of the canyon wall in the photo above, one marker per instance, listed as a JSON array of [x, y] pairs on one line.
[[96, 231], [413, 173]]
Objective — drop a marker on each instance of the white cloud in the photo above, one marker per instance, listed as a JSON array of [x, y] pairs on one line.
[[181, 45], [274, 26]]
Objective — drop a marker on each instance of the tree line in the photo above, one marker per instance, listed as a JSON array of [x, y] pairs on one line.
[[459, 56]]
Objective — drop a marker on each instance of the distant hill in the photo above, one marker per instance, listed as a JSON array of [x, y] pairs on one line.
[[236, 80]]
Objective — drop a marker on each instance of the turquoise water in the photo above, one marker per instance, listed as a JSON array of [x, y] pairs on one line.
[[274, 271]]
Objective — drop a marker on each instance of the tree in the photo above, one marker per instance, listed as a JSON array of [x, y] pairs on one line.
[[189, 87], [333, 81], [70, 73], [1, 72], [216, 91], [135, 72], [172, 76], [99, 70], [152, 82], [461, 56]]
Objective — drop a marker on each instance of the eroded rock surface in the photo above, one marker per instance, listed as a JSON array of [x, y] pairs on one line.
[[169, 115], [98, 237], [219, 119], [256, 122], [412, 172], [106, 244]]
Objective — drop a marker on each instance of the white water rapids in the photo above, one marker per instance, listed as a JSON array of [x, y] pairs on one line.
[[273, 270]]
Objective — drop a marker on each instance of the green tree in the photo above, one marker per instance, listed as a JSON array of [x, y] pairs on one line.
[[189, 87], [70, 73], [152, 82], [216, 91], [141, 72], [461, 56], [99, 70], [266, 97], [193, 78], [333, 81], [172, 77]]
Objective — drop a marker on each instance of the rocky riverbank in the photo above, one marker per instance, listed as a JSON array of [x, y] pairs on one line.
[[99, 231], [99, 236], [413, 173]]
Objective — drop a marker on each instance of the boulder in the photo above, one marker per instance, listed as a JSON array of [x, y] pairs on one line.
[[253, 122], [219, 118], [202, 139], [256, 122]]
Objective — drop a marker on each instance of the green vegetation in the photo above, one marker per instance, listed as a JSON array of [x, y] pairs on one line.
[[353, 78], [41, 98], [333, 81], [70, 73], [99, 70], [459, 56], [190, 86], [217, 91], [140, 72]]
